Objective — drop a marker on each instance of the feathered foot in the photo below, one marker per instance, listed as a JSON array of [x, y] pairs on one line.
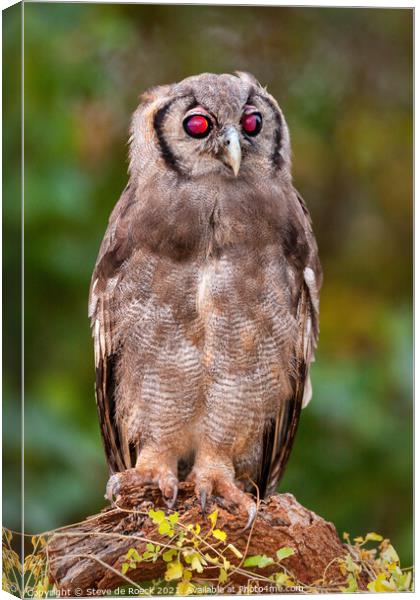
[[219, 480], [150, 469]]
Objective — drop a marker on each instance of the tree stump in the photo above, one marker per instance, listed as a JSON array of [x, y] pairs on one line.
[[87, 558]]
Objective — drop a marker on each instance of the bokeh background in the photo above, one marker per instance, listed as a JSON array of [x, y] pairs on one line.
[[344, 80]]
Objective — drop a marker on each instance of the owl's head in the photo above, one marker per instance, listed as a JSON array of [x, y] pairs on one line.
[[210, 125]]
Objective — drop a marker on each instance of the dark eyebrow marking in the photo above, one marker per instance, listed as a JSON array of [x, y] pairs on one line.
[[276, 157], [252, 93], [192, 104], [165, 150]]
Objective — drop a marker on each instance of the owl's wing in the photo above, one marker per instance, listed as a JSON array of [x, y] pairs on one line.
[[278, 439], [116, 248]]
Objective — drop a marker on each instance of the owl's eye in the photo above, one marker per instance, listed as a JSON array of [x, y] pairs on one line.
[[252, 123], [197, 126]]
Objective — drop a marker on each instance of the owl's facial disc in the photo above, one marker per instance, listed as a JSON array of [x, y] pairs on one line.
[[220, 126], [211, 126]]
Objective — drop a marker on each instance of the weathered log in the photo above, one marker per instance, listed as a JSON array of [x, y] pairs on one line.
[[87, 558]]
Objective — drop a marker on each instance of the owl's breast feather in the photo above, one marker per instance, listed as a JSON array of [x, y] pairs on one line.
[[203, 288]]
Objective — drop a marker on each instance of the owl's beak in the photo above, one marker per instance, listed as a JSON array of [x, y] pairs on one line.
[[232, 149]]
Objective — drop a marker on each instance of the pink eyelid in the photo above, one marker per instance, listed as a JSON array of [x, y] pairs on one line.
[[249, 109]]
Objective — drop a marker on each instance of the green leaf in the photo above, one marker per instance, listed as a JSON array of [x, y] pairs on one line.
[[214, 560], [157, 516], [260, 561], [381, 584], [252, 561], [373, 537], [351, 566], [284, 552], [174, 571], [185, 588], [173, 518], [196, 563], [150, 547], [389, 555], [132, 553], [404, 581], [169, 554], [213, 517], [219, 534], [235, 550], [124, 568], [351, 584], [187, 575], [281, 579], [165, 528], [223, 576]]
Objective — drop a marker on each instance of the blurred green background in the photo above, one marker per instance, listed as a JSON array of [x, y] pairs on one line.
[[344, 80]]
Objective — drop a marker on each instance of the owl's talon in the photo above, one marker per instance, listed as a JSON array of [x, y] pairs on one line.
[[170, 503], [221, 484], [112, 488], [203, 500], [252, 513], [168, 485]]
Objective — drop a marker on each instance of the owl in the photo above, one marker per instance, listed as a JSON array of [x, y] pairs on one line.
[[204, 299]]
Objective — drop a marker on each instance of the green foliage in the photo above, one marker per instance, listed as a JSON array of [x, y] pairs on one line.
[[259, 561], [27, 578], [284, 553], [375, 568], [189, 550], [343, 77], [165, 524], [380, 563], [189, 554], [11, 565]]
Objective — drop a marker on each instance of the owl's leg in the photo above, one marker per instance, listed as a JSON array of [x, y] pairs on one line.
[[153, 466], [214, 473]]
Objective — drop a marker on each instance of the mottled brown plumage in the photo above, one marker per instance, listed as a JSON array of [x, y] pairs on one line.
[[205, 296]]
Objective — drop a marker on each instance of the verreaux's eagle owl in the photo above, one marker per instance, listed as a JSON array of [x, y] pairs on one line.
[[205, 295]]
